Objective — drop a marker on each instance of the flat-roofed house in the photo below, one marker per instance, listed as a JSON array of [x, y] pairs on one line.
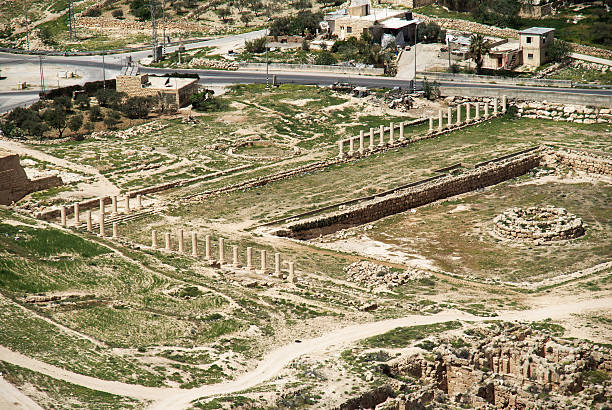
[[534, 42]]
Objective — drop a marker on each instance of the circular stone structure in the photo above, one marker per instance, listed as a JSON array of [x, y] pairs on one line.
[[538, 224]]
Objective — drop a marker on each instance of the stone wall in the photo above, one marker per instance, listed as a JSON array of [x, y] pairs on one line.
[[415, 3], [564, 112], [15, 184], [486, 175], [580, 161]]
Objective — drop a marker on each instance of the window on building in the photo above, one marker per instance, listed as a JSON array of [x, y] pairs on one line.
[[528, 40], [349, 29], [530, 56]]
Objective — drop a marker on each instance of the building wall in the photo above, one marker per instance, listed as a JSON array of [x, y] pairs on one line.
[[415, 3], [351, 27], [14, 183], [534, 53], [133, 87]]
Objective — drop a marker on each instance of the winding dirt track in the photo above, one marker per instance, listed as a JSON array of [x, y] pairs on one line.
[[274, 362]]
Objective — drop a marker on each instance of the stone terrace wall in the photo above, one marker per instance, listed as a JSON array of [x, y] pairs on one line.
[[580, 161], [563, 112], [401, 201]]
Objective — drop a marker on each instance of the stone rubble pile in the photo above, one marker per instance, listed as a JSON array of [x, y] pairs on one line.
[[561, 112], [507, 366], [373, 274], [542, 224], [210, 63], [136, 131]]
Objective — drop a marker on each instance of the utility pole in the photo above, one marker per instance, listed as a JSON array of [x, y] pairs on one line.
[[103, 72], [416, 31], [164, 24], [71, 27], [154, 30], [25, 11], [42, 77]]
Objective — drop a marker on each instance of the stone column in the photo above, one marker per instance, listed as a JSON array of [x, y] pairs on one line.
[[235, 256], [486, 107], [504, 104], [63, 215], [468, 114], [449, 114], [115, 230], [127, 204], [207, 249], [221, 251], [277, 263], [291, 276], [440, 120], [430, 125], [361, 142], [89, 224], [351, 146], [495, 106], [154, 239], [458, 114], [371, 139], [249, 258], [381, 132], [401, 137], [477, 111], [168, 244], [114, 204], [263, 262], [341, 149], [391, 133], [102, 207], [102, 231], [181, 241], [77, 215], [139, 202], [194, 244]]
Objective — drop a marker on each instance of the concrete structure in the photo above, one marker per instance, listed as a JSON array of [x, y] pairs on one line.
[[534, 43], [173, 91], [360, 17], [15, 184], [507, 55]]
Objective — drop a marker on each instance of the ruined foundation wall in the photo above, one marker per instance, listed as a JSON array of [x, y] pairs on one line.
[[580, 161], [14, 183], [401, 201]]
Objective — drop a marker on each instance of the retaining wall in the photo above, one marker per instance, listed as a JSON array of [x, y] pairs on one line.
[[564, 112], [485, 79], [313, 67], [580, 161], [420, 195]]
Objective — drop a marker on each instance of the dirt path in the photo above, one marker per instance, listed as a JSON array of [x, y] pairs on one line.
[[103, 187], [274, 362], [12, 398]]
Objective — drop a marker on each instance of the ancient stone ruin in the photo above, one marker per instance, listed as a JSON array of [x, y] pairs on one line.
[[538, 224], [373, 274]]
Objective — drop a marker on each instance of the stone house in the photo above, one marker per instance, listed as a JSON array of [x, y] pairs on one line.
[[535, 42], [173, 91]]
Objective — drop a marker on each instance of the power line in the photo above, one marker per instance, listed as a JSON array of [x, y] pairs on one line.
[[154, 29]]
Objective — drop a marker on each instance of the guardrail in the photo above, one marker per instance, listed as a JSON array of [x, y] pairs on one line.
[[487, 79], [313, 67]]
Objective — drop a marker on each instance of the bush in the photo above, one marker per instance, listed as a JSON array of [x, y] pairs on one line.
[[255, 46], [118, 14], [206, 102], [95, 114], [137, 107], [112, 119], [94, 12], [431, 91], [305, 22], [325, 58], [559, 51], [109, 98], [431, 33]]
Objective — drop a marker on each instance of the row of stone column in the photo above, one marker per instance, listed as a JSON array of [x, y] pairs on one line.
[[373, 134], [235, 263], [114, 210], [468, 114]]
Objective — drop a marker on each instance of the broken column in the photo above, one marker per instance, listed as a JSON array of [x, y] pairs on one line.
[[450, 117], [430, 124], [277, 265], [477, 111], [351, 146], [221, 251], [168, 245], [194, 244], [235, 256], [263, 262], [401, 137], [459, 114], [127, 204], [440, 121], [139, 202], [249, 256], [341, 149], [495, 106], [154, 239], [114, 205], [391, 133], [207, 249], [361, 142], [77, 215], [89, 224], [381, 131], [468, 114], [486, 109], [291, 276], [371, 139], [504, 104], [115, 230], [181, 241], [63, 215]]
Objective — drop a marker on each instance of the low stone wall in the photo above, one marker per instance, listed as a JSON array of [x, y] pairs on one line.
[[487, 79], [538, 224], [580, 161], [401, 201], [563, 112], [313, 67]]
